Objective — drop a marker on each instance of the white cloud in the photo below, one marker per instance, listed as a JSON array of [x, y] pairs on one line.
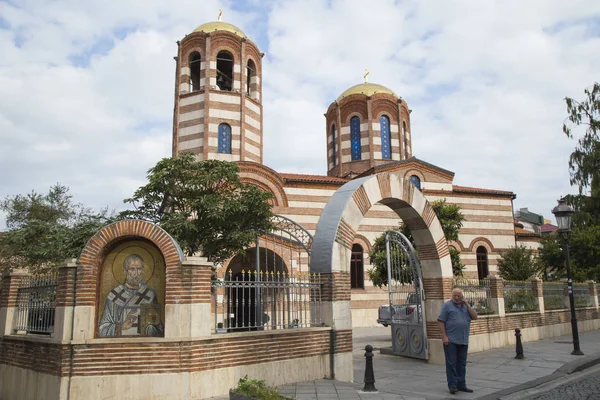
[[86, 88]]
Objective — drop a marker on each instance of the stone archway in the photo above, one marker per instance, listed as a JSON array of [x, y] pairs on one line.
[[337, 228]]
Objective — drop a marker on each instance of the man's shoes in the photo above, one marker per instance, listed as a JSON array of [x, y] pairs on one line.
[[452, 390], [466, 390]]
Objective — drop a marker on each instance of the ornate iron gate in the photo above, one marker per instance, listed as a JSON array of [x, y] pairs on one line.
[[405, 285], [271, 287]]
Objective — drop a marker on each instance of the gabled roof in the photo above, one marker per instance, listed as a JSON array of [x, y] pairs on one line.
[[548, 228], [520, 232], [398, 164], [465, 189], [313, 178]]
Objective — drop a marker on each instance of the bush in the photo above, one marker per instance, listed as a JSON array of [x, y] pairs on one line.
[[554, 303], [519, 301], [518, 264], [257, 389]]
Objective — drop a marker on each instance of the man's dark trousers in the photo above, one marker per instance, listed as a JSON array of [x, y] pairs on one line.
[[456, 365]]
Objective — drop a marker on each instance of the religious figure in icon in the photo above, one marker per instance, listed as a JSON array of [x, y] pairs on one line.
[[131, 308]]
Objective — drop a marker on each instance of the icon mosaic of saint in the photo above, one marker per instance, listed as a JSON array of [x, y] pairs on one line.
[[131, 308]]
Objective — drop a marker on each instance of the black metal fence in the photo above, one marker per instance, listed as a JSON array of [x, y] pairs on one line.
[[36, 303], [267, 301], [477, 292]]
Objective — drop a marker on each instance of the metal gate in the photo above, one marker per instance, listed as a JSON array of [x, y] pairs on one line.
[[405, 285], [270, 287]]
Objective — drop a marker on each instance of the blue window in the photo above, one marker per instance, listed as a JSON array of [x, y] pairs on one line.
[[333, 144], [415, 181], [384, 123], [355, 138], [224, 139]]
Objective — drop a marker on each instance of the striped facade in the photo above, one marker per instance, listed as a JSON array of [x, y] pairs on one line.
[[488, 218], [201, 106]]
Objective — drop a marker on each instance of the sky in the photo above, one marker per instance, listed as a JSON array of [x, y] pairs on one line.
[[86, 87]]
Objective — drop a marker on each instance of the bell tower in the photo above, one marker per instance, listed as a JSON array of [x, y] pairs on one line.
[[218, 89], [368, 125]]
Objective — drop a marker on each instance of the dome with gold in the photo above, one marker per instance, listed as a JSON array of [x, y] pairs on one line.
[[220, 26], [367, 89]]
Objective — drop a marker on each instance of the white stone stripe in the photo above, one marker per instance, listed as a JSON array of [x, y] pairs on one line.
[[253, 107], [223, 98], [309, 192], [252, 136], [185, 71], [224, 114], [252, 149], [306, 204], [394, 128], [191, 115], [190, 144], [186, 101], [252, 122], [191, 130]]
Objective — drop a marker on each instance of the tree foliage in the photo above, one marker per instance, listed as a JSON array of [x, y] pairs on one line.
[[518, 264], [583, 121], [44, 230], [584, 163], [551, 257], [204, 205], [451, 219]]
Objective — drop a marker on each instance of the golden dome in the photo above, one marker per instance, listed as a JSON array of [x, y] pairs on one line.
[[368, 89], [220, 26]]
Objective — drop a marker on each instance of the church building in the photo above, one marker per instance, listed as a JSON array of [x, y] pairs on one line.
[[218, 114]]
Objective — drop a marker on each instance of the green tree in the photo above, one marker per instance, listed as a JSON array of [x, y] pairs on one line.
[[584, 163], [451, 219], [44, 230], [551, 258], [204, 205], [584, 247], [518, 264]]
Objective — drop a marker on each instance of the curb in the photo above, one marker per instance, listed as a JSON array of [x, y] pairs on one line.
[[562, 372]]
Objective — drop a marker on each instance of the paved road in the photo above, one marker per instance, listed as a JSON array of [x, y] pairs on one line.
[[585, 388]]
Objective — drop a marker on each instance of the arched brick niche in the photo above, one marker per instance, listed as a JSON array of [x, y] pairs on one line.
[[110, 236]]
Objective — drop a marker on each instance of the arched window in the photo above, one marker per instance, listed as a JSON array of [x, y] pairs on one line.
[[333, 145], [415, 181], [482, 263], [355, 138], [194, 62], [225, 71], [384, 124], [357, 280], [224, 139], [250, 73], [405, 140]]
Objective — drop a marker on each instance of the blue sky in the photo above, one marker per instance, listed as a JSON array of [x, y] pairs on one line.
[[86, 88]]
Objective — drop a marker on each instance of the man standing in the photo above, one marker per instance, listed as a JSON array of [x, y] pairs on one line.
[[124, 302], [455, 323]]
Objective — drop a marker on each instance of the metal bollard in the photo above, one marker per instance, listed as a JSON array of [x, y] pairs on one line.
[[519, 355], [369, 374]]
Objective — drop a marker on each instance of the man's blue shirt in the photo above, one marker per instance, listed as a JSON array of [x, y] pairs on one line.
[[457, 321]]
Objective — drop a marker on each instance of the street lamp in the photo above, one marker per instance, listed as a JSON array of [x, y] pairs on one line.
[[564, 218]]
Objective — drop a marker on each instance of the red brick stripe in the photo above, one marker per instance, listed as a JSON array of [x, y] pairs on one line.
[[384, 185], [362, 200], [345, 234]]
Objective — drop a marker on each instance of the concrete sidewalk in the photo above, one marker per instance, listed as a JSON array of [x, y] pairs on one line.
[[492, 374]]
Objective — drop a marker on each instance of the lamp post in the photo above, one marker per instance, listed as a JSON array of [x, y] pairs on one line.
[[564, 217]]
